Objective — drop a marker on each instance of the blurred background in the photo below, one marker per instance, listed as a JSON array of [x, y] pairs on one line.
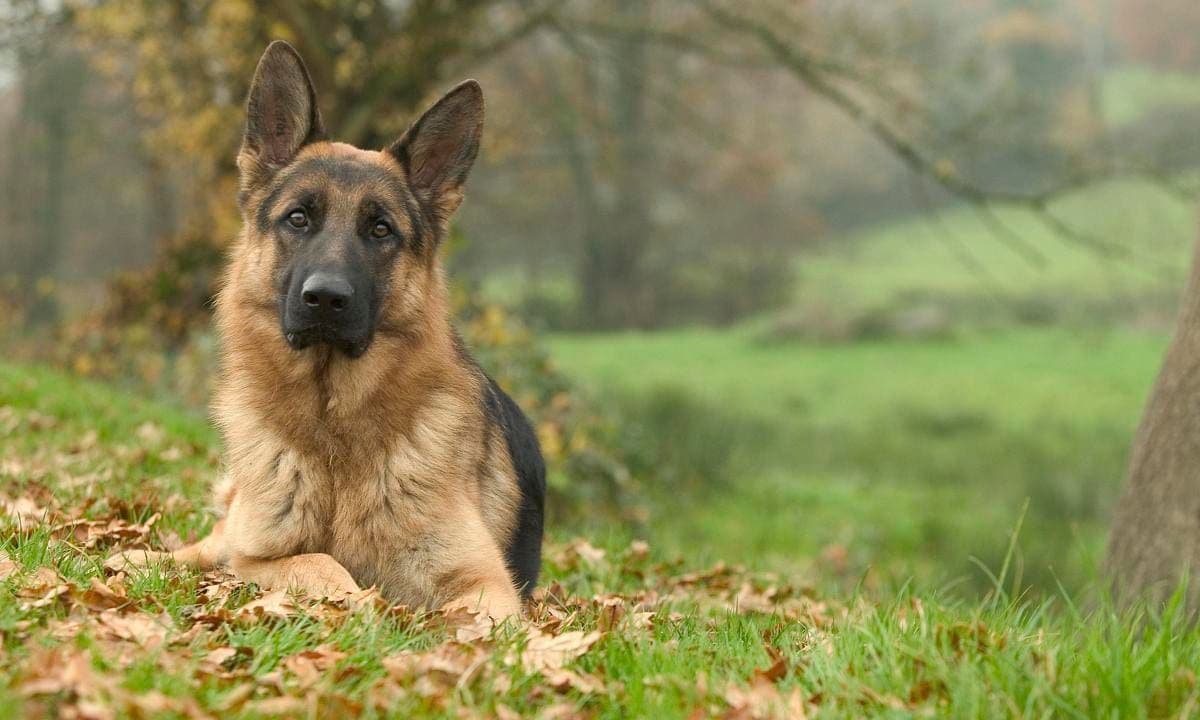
[[832, 287]]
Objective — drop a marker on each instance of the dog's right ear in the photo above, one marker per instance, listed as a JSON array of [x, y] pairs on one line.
[[281, 116]]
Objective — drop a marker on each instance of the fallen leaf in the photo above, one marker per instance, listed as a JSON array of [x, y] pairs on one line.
[[145, 630], [7, 566], [218, 657], [42, 587], [25, 511], [563, 680], [91, 534], [150, 433], [776, 671], [274, 604], [100, 596], [309, 665], [545, 652], [763, 700], [282, 705]]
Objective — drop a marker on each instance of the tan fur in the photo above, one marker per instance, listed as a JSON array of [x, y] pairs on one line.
[[345, 473]]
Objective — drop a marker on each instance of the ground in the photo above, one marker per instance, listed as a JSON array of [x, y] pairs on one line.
[[614, 631]]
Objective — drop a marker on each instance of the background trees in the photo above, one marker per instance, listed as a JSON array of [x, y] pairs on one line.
[[646, 135]]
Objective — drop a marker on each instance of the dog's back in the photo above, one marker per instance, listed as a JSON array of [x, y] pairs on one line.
[[524, 551]]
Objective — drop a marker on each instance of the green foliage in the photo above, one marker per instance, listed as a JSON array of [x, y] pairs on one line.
[[682, 446]]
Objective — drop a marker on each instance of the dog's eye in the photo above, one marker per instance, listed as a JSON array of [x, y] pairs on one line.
[[297, 219], [381, 230]]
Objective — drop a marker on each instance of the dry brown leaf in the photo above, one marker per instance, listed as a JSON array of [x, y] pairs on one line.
[[187, 636], [218, 656], [90, 710], [91, 534], [145, 630], [612, 609], [283, 705], [7, 566], [150, 432], [544, 652], [504, 712], [469, 625], [763, 700], [433, 673], [236, 698], [59, 670], [42, 587], [100, 596], [67, 629], [563, 680], [309, 665], [87, 441], [126, 560], [24, 510], [776, 671], [274, 604], [44, 576], [561, 711]]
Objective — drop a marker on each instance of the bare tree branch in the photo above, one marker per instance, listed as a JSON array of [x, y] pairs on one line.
[[818, 74]]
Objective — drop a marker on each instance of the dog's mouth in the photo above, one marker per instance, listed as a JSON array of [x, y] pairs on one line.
[[318, 335]]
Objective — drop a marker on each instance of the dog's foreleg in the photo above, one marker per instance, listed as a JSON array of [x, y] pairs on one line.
[[471, 572]]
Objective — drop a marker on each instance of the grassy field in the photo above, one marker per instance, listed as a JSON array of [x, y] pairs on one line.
[[614, 632], [1129, 92], [909, 458]]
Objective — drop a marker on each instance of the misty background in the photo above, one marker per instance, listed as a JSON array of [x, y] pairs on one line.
[[831, 283]]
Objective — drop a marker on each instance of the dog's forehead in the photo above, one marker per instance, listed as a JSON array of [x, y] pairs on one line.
[[342, 167]]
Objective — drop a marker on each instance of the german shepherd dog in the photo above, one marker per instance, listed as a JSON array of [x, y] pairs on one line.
[[364, 446]]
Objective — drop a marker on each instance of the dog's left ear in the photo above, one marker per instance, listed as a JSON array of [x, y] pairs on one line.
[[281, 115], [439, 149]]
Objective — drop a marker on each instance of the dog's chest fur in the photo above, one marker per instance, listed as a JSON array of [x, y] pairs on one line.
[[383, 496]]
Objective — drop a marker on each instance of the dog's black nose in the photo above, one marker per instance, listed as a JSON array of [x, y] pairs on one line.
[[326, 294]]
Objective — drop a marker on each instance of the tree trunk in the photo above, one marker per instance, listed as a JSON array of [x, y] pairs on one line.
[[1155, 539], [613, 289], [55, 93]]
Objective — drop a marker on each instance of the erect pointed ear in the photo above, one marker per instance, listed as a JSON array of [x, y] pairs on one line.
[[281, 115], [439, 149]]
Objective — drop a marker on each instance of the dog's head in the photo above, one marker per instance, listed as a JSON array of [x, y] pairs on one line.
[[346, 239]]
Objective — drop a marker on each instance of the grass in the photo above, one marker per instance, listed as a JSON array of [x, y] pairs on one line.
[[1130, 91], [639, 635], [907, 458]]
